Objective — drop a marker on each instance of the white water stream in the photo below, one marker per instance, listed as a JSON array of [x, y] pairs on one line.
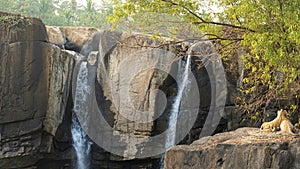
[[80, 141], [182, 81]]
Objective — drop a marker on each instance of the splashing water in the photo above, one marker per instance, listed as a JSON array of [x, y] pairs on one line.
[[81, 144], [182, 80], [80, 141]]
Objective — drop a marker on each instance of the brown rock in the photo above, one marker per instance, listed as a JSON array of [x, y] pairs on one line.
[[78, 35], [24, 81], [61, 66], [71, 38], [55, 35], [35, 78], [117, 52], [243, 148], [17, 28]]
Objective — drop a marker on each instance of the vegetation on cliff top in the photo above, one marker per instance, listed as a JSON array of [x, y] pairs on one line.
[[14, 20]]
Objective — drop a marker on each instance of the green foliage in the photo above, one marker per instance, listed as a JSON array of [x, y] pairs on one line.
[[62, 12], [8, 19], [272, 61], [268, 33], [13, 21], [161, 18]]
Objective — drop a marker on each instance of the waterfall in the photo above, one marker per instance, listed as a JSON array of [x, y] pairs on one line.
[[182, 81], [80, 141]]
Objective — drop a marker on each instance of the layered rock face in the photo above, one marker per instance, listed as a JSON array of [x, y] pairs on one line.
[[35, 79], [243, 148]]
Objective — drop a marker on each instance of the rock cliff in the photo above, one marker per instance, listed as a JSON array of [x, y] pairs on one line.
[[38, 67], [35, 80], [243, 148]]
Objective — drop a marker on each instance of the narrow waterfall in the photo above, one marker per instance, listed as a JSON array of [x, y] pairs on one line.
[[80, 141], [182, 81]]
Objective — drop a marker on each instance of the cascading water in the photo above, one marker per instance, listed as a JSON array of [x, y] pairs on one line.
[[81, 144], [80, 141], [182, 81]]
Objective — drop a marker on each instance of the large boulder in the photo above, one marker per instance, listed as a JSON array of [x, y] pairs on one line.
[[243, 148], [34, 77], [131, 88]]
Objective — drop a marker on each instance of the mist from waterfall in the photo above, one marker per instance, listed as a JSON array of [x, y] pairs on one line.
[[80, 142], [182, 81]]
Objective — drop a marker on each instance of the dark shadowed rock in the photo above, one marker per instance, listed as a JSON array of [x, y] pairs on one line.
[[243, 148]]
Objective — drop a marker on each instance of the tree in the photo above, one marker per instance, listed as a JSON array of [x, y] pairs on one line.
[[62, 12], [267, 31], [89, 14], [94, 15]]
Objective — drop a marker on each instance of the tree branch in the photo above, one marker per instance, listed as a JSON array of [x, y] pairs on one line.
[[207, 22], [200, 39]]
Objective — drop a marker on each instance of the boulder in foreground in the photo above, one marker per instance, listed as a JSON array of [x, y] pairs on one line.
[[243, 148]]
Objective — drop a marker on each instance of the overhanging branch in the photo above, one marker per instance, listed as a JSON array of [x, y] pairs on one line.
[[203, 21]]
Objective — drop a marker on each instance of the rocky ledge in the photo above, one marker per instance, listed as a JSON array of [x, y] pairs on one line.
[[243, 148]]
